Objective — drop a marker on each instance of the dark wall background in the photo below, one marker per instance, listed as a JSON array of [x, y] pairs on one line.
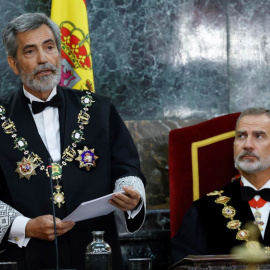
[[165, 65]]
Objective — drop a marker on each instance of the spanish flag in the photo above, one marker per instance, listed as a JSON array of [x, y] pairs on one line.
[[71, 16]]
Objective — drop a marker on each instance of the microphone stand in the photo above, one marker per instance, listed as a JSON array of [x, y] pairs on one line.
[[54, 220], [53, 210]]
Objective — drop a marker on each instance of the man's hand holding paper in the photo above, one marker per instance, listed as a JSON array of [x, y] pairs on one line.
[[126, 201]]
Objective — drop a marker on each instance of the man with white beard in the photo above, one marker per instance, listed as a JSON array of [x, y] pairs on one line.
[[237, 214], [43, 120]]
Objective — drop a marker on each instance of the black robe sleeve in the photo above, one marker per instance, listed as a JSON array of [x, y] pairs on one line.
[[125, 162], [190, 239]]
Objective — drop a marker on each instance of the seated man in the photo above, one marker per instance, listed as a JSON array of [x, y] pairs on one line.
[[237, 214]]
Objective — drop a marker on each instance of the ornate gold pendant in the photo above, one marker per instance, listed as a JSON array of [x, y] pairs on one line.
[[58, 196], [26, 168], [234, 224], [87, 158], [222, 199], [242, 235], [258, 222], [228, 212]]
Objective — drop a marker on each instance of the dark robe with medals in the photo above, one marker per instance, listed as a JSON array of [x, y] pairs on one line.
[[204, 229], [117, 158]]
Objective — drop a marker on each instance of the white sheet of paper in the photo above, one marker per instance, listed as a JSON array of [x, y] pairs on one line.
[[95, 208]]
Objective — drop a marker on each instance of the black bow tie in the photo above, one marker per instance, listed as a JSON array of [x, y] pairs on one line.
[[249, 193], [38, 107]]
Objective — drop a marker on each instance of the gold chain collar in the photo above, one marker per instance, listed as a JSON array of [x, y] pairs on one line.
[[27, 166], [229, 212]]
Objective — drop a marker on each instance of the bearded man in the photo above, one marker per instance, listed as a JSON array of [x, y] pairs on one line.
[[40, 121], [237, 214]]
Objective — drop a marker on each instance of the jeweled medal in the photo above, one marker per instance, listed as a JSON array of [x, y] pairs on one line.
[[56, 171], [26, 168], [234, 224], [228, 212], [257, 215], [87, 100], [242, 235], [222, 199], [77, 135], [20, 143], [258, 221], [58, 196], [87, 158]]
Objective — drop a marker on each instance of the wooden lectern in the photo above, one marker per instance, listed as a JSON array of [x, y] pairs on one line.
[[224, 262]]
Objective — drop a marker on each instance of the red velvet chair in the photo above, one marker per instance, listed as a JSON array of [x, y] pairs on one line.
[[200, 161]]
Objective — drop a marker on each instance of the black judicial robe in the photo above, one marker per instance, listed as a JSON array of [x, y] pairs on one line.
[[117, 158], [204, 229]]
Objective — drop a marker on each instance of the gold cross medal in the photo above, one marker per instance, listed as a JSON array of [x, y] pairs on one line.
[[87, 158], [26, 168], [58, 196]]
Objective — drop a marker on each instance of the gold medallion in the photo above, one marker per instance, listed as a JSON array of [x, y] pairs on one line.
[[20, 143], [87, 158], [234, 224], [26, 168], [228, 212], [222, 199], [242, 235], [58, 196]]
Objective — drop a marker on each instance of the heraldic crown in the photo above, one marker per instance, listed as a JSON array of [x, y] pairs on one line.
[[75, 46]]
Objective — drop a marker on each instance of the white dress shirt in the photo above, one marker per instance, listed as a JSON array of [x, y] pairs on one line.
[[263, 210]]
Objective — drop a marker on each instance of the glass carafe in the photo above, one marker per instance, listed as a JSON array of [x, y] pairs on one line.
[[98, 255]]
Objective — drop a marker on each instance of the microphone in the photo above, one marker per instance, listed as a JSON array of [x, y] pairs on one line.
[[54, 219]]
